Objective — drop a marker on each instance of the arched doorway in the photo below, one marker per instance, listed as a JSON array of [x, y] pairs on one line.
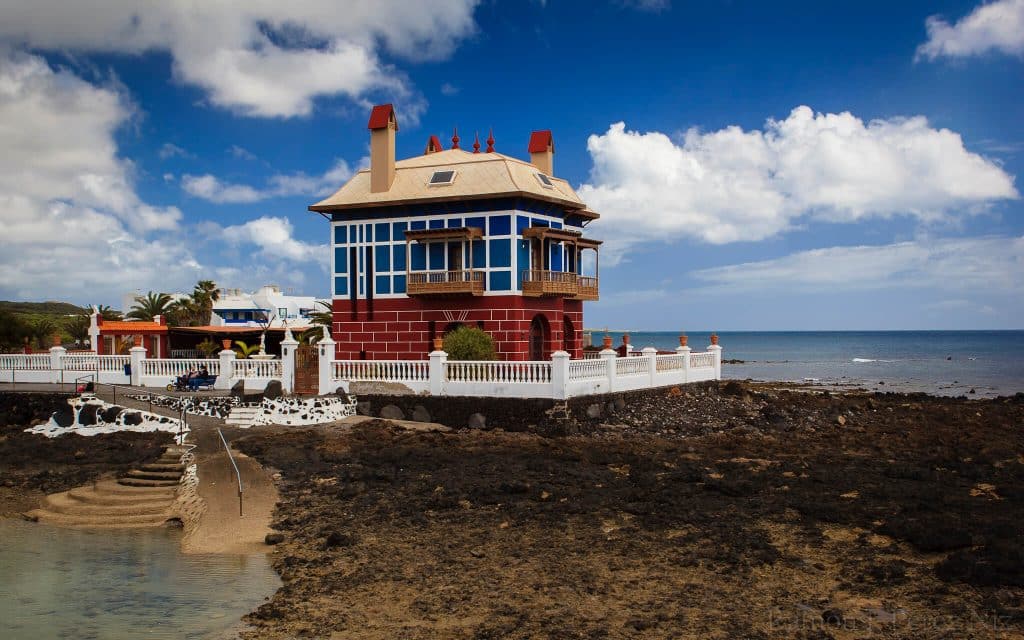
[[539, 332], [568, 336]]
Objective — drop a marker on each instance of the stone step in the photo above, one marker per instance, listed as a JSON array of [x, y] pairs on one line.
[[64, 503], [139, 474], [151, 495], [175, 467], [141, 482], [98, 521], [115, 487]]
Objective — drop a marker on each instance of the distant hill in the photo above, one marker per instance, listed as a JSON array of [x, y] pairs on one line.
[[42, 308]]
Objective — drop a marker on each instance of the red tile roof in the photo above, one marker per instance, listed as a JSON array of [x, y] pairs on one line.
[[433, 144], [381, 115], [540, 141]]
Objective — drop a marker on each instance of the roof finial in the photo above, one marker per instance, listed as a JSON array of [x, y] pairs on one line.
[[455, 138], [490, 140], [476, 143]]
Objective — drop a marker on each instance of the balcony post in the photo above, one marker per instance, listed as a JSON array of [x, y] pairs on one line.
[[437, 370], [325, 355], [559, 375], [138, 354], [227, 366], [608, 355], [684, 351], [717, 355]]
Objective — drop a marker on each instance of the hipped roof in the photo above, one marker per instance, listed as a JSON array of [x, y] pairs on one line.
[[478, 176]]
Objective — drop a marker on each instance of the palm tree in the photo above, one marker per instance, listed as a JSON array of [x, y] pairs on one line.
[[107, 313], [324, 316], [43, 329], [183, 312], [207, 347], [204, 295], [150, 306], [78, 327], [243, 350]]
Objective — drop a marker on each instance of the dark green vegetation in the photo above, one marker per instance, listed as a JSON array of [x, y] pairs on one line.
[[728, 511], [37, 322], [469, 343]]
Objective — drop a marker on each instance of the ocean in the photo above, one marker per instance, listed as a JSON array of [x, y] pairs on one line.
[[937, 362]]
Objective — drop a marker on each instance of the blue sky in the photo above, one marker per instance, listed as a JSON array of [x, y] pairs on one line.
[[787, 165]]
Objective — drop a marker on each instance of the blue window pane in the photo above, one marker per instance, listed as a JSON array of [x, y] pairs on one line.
[[398, 230], [454, 222], [500, 225], [341, 286], [418, 224], [383, 284], [383, 232], [437, 224], [523, 260], [537, 222], [501, 253], [436, 256], [479, 254], [399, 284], [501, 281], [382, 262], [340, 260], [398, 257], [556, 257], [353, 234], [556, 225], [522, 222], [340, 235], [369, 232], [479, 223], [419, 257]]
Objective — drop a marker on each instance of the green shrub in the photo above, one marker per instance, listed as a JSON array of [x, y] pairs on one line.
[[469, 343]]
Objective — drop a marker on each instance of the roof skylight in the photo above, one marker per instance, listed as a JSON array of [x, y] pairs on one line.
[[443, 177], [545, 181]]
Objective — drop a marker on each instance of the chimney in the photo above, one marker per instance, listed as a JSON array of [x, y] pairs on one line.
[[542, 151], [433, 146], [383, 126]]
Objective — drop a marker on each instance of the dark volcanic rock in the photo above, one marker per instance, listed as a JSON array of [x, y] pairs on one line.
[[273, 390], [87, 415], [392, 412]]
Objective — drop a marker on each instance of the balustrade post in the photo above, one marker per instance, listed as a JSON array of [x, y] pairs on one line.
[[652, 364], [57, 353], [288, 347], [438, 366], [684, 351], [559, 375], [325, 352], [138, 354], [227, 367], [608, 355], [716, 355]]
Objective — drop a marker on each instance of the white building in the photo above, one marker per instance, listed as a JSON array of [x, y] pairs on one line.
[[237, 308]]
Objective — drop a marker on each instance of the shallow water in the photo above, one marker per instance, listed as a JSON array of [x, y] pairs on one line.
[[65, 583]]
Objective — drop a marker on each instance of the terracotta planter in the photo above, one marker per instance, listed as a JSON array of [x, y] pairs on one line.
[[625, 338], [683, 340], [226, 344], [138, 341], [438, 343], [714, 338], [56, 339], [607, 342]]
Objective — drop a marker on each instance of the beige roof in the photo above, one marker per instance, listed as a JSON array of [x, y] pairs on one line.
[[478, 175]]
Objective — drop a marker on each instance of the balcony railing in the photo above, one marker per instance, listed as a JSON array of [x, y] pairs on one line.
[[586, 288], [539, 282], [434, 283]]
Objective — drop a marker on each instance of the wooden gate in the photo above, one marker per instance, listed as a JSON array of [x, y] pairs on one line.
[[307, 370]]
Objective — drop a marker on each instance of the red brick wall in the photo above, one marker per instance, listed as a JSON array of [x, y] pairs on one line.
[[399, 329]]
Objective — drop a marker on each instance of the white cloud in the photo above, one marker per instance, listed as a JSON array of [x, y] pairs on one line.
[[968, 265], [73, 224], [274, 237], [652, 6], [449, 89], [993, 26], [257, 57], [241, 153], [209, 187], [169, 150], [733, 185]]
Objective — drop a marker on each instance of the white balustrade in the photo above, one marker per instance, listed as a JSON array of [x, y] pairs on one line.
[[671, 362], [173, 367], [382, 370], [590, 369], [94, 363], [496, 371], [702, 360], [258, 369], [631, 366], [25, 361]]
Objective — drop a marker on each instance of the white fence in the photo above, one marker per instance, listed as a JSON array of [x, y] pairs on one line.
[[557, 378]]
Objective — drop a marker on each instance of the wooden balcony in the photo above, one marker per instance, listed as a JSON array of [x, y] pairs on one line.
[[445, 283], [586, 288], [539, 282]]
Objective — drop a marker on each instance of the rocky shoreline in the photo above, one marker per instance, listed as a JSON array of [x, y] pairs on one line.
[[727, 510]]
